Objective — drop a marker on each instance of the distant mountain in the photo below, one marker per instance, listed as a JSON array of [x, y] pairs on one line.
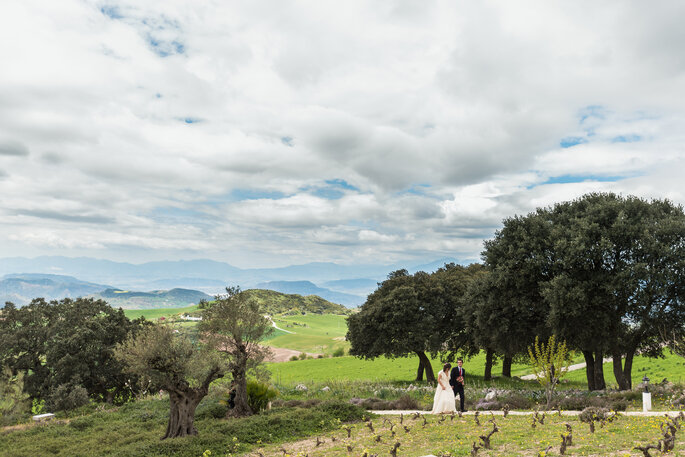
[[277, 302], [432, 266], [360, 286], [308, 288], [209, 286], [206, 275], [20, 289], [174, 298]]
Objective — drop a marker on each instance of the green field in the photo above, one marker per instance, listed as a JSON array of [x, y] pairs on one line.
[[671, 367], [324, 333], [315, 333], [382, 369], [154, 314]]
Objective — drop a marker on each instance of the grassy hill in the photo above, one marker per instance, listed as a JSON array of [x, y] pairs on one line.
[[277, 303]]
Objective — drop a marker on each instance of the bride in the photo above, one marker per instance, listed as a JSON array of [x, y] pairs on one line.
[[443, 402]]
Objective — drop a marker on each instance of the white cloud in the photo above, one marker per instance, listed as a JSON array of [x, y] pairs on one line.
[[215, 129]]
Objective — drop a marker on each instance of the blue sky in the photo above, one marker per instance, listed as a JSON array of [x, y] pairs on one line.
[[268, 134]]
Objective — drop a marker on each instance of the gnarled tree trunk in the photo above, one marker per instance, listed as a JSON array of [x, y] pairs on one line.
[[182, 414], [183, 401], [239, 372]]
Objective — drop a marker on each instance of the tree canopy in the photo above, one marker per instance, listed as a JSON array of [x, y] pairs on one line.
[[602, 272], [413, 314], [69, 342]]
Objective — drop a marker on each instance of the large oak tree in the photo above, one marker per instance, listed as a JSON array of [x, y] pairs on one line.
[[604, 272], [69, 342], [412, 314]]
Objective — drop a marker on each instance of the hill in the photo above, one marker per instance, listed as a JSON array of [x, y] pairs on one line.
[[20, 289], [173, 298], [278, 303], [309, 288]]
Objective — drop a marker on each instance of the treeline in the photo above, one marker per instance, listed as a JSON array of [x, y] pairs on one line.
[[60, 355], [605, 273], [63, 352]]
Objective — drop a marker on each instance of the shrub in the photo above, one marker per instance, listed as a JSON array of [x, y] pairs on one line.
[[294, 358], [342, 410], [14, 403], [259, 395], [213, 410], [81, 423], [339, 352], [405, 402], [67, 397], [593, 413], [302, 356]]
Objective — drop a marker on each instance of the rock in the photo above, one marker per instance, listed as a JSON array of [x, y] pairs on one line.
[[301, 387], [326, 389], [490, 395]]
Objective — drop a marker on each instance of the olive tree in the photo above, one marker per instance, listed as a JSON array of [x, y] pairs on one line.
[[165, 359], [235, 324]]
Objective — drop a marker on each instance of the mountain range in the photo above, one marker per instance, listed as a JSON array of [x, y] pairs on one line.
[[344, 284]]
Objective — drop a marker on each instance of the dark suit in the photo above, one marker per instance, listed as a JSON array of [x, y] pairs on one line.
[[458, 387]]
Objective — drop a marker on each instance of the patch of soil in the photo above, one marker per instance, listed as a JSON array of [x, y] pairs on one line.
[[283, 354]]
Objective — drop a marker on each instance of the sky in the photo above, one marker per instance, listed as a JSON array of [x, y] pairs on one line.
[[269, 133]]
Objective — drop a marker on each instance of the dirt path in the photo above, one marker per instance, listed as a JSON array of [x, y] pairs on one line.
[[283, 354], [577, 366]]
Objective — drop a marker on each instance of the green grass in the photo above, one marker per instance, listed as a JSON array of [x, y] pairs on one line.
[[134, 430], [514, 438], [381, 369], [154, 314], [315, 333], [671, 367]]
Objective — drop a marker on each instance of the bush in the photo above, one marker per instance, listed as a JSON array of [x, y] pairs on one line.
[[405, 402], [213, 410], [81, 423], [67, 397], [303, 356], [14, 403], [294, 358], [593, 413], [339, 352], [259, 394], [342, 410], [297, 403]]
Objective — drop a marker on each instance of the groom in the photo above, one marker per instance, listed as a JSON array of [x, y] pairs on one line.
[[457, 382]]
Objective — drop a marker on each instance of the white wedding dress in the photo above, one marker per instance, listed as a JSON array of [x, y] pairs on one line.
[[444, 402]]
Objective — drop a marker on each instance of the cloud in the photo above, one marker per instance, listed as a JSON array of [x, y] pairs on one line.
[[266, 133], [13, 148]]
